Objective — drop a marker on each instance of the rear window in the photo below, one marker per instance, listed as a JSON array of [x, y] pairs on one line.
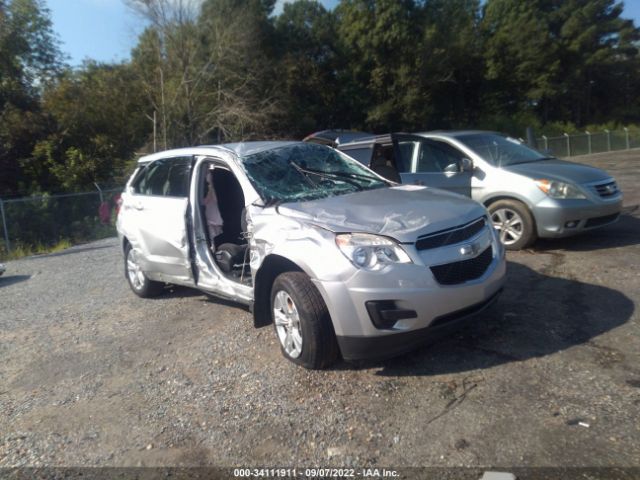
[[362, 155], [168, 177]]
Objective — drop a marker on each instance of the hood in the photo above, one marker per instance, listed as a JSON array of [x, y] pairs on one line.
[[562, 170], [403, 212]]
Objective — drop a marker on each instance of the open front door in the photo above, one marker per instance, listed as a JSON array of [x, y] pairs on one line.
[[209, 276], [433, 163]]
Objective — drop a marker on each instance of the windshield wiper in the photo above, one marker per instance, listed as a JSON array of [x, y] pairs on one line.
[[271, 202], [351, 175], [303, 171], [333, 175]]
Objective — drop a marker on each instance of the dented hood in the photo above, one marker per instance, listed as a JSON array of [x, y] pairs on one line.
[[403, 212]]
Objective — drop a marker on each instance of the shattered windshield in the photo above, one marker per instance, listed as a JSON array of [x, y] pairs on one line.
[[500, 151], [300, 172]]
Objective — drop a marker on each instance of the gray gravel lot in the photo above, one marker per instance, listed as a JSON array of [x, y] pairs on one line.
[[92, 375]]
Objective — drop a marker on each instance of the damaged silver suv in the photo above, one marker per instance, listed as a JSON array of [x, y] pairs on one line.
[[340, 260]]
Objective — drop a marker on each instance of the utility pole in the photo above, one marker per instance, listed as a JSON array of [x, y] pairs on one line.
[[155, 130], [4, 224]]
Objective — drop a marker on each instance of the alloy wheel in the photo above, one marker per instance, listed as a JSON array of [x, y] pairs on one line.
[[509, 225], [287, 322], [135, 273]]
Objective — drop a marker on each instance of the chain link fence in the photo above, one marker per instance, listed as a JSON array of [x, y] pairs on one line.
[[37, 223], [588, 142]]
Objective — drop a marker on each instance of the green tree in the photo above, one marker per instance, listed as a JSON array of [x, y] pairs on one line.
[[29, 58], [450, 67], [240, 68], [96, 120], [308, 68], [523, 68], [378, 38], [560, 59], [597, 48]]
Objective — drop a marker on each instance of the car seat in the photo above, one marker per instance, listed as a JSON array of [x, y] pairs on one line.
[[382, 164], [230, 256]]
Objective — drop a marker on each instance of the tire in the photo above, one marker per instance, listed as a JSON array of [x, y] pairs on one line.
[[138, 281], [299, 314], [514, 224]]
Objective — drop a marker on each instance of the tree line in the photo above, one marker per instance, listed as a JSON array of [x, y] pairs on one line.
[[210, 71]]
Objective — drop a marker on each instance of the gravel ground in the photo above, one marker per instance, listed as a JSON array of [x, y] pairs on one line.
[[91, 375]]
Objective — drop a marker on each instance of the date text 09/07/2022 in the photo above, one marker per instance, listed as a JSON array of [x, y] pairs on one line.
[[314, 473]]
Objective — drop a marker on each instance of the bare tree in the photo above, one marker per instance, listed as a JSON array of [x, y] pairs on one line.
[[202, 75]]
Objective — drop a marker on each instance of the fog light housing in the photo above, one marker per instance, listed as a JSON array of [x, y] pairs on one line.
[[572, 224], [385, 313]]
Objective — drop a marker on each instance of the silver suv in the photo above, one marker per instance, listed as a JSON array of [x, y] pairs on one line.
[[340, 260]]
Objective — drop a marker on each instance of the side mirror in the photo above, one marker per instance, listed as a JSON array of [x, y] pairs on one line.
[[451, 168], [466, 165]]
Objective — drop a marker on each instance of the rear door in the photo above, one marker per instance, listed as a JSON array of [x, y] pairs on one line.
[[433, 163], [160, 202]]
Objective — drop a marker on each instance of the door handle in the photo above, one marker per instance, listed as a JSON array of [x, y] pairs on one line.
[[138, 206]]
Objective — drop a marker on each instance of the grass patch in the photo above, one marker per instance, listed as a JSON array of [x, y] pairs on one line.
[[21, 250]]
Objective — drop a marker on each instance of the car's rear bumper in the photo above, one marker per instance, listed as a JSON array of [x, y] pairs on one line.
[[375, 348]]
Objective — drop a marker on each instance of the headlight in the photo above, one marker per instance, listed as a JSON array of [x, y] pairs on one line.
[[371, 252], [556, 189]]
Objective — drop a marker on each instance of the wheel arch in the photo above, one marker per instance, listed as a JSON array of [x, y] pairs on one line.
[[504, 196], [272, 266], [496, 198], [124, 245]]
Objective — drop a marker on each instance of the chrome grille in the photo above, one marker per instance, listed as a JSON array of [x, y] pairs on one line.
[[606, 189], [451, 236]]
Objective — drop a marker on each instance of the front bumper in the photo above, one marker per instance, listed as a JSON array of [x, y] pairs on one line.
[[554, 217], [412, 288], [376, 348]]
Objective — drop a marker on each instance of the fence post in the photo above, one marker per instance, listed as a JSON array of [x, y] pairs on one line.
[[588, 140], [608, 140], [568, 144], [626, 133], [4, 225], [99, 191], [546, 142]]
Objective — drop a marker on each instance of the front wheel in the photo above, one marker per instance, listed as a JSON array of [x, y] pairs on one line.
[[138, 281], [302, 322], [513, 223]]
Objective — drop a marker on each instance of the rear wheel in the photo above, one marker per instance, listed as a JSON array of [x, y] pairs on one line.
[[513, 223], [302, 322], [138, 281]]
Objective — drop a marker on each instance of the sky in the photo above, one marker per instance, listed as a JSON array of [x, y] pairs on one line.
[[106, 30]]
